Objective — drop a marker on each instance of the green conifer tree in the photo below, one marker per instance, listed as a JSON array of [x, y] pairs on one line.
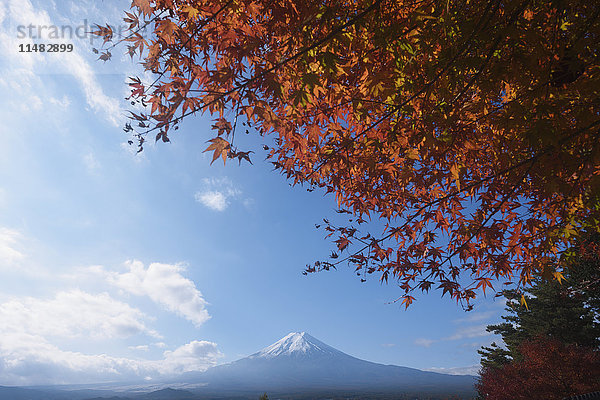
[[568, 312]]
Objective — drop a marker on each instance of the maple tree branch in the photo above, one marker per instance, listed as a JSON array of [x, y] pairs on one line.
[[237, 114], [466, 46], [140, 28], [337, 30], [427, 86], [492, 49], [200, 26], [517, 98], [445, 187], [159, 90], [520, 242], [305, 50], [554, 202], [588, 24], [472, 185], [496, 209]]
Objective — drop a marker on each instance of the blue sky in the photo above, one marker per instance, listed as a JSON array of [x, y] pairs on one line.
[[118, 266]]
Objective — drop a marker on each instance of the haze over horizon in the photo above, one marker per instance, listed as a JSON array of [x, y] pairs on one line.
[[119, 266]]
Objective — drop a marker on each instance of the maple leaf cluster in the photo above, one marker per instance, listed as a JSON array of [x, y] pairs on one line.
[[470, 128]]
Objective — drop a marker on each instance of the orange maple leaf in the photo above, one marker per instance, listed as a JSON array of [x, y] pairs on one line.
[[191, 11], [143, 6], [220, 147]]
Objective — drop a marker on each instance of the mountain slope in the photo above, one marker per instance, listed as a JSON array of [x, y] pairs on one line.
[[300, 362]]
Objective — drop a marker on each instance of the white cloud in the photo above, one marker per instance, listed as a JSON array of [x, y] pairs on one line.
[[469, 332], [35, 103], [3, 12], [72, 314], [212, 199], [22, 81], [29, 328], [249, 203], [24, 67], [217, 193], [29, 359], [99, 102], [466, 332], [470, 370], [62, 103], [163, 284], [477, 316], [10, 241], [193, 356], [142, 347], [424, 342], [90, 162]]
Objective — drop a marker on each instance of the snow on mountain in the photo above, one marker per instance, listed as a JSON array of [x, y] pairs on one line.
[[296, 344]]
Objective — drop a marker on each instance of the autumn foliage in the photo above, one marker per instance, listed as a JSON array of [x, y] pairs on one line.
[[549, 370], [470, 128]]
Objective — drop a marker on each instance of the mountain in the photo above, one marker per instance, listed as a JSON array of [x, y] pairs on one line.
[[298, 366], [300, 362]]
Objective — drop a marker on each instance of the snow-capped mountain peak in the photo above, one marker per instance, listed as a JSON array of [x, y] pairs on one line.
[[300, 363], [295, 344]]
